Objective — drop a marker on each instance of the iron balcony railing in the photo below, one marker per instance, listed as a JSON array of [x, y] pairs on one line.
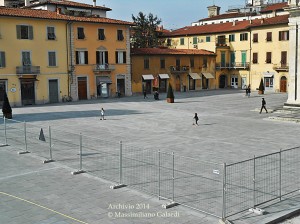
[[233, 65], [28, 69], [104, 67], [281, 67], [179, 69]]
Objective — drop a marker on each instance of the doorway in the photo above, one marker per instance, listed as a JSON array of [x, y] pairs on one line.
[[121, 86], [283, 82], [82, 88], [53, 91], [222, 82], [2, 91], [27, 92]]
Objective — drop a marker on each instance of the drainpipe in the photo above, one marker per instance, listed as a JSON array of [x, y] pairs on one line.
[[69, 51], [250, 59]]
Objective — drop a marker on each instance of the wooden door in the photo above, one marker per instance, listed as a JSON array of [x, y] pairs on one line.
[[53, 91], [82, 88], [27, 92], [283, 84]]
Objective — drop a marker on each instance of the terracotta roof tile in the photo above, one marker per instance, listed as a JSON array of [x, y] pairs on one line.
[[167, 51], [275, 7], [67, 3], [227, 27], [45, 14]]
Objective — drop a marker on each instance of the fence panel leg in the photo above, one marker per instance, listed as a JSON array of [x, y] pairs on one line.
[[25, 141], [50, 149], [80, 157], [120, 169]]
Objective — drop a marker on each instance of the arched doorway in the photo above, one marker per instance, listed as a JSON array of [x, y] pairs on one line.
[[283, 82], [222, 82]]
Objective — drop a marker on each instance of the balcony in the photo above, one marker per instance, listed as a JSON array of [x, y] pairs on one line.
[[281, 67], [221, 41], [28, 69], [233, 65], [179, 69], [104, 68]]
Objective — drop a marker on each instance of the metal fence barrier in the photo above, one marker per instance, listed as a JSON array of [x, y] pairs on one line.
[[220, 190]]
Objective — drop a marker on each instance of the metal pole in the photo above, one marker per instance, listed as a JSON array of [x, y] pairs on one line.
[[80, 151], [280, 175], [254, 195], [224, 193], [25, 137], [121, 174], [50, 144], [173, 176], [5, 134], [158, 174]]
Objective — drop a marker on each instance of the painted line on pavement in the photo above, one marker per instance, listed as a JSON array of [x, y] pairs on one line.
[[23, 174], [41, 206]]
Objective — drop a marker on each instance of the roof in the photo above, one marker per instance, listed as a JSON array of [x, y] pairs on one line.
[[227, 16], [275, 7], [167, 51], [45, 14], [67, 3], [227, 27]]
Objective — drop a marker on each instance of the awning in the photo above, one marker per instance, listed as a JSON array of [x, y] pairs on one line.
[[148, 77], [103, 79], [208, 75], [164, 76], [195, 75], [268, 74]]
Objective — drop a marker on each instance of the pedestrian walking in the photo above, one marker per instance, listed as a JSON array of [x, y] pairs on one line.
[[263, 105], [196, 119], [145, 94], [249, 90], [102, 114]]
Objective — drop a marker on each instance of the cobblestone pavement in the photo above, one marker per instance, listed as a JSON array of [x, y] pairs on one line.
[[230, 129]]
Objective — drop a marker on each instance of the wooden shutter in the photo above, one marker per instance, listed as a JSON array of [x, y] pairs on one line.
[[97, 57], [30, 32], [117, 62], [269, 57], [255, 37], [2, 59], [269, 36], [124, 57], [106, 57], [18, 32], [86, 57], [255, 58], [77, 57]]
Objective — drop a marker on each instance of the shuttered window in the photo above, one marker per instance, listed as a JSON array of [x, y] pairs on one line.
[[82, 57], [51, 33], [101, 35], [102, 57], [255, 38], [283, 35], [24, 32], [26, 59], [146, 63], [195, 40], [243, 36], [80, 33], [269, 57], [120, 57], [120, 35], [52, 58], [255, 58], [269, 36], [162, 63], [2, 59]]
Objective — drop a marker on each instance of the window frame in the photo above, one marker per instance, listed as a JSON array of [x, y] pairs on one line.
[[284, 35], [181, 40], [162, 63], [119, 57], [2, 59], [55, 59], [24, 63], [255, 58], [146, 63], [269, 37], [80, 33], [24, 36], [243, 36], [120, 35], [78, 55], [49, 36], [231, 38], [255, 37], [269, 56], [195, 40], [101, 34]]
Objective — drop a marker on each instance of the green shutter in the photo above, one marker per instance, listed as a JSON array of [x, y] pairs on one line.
[[86, 57], [18, 32], [2, 59], [30, 32]]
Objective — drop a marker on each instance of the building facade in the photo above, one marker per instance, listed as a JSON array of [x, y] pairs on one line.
[[153, 69]]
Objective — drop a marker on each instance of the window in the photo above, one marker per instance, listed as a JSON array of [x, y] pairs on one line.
[[120, 57], [283, 35], [208, 39], [120, 35], [269, 57], [146, 63], [243, 36], [82, 57], [195, 40], [169, 42], [24, 32], [2, 59], [51, 58], [51, 33], [181, 41], [192, 62], [101, 35], [102, 57], [204, 62], [269, 36], [162, 63], [232, 58], [26, 58], [268, 82], [255, 58], [222, 39], [80, 33], [231, 38], [255, 38]]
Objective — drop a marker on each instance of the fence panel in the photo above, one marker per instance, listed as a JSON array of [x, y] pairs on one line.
[[15, 132], [199, 184], [166, 171], [239, 193], [140, 168]]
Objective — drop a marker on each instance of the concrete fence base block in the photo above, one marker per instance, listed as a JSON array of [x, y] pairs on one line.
[[24, 152], [170, 205], [221, 221], [78, 172], [48, 161], [257, 211], [117, 186], [3, 145]]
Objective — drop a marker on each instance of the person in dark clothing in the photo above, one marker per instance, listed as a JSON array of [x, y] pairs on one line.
[[263, 105], [196, 119], [249, 90], [156, 95], [145, 94]]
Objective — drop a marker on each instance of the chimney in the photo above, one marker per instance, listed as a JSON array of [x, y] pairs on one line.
[[58, 10], [94, 3], [233, 23], [27, 2]]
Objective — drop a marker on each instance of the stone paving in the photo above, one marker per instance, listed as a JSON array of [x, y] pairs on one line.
[[230, 129]]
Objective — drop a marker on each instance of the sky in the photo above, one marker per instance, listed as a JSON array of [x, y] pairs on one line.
[[173, 13]]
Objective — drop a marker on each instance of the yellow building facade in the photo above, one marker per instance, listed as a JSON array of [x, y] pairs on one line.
[[34, 66], [153, 69]]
